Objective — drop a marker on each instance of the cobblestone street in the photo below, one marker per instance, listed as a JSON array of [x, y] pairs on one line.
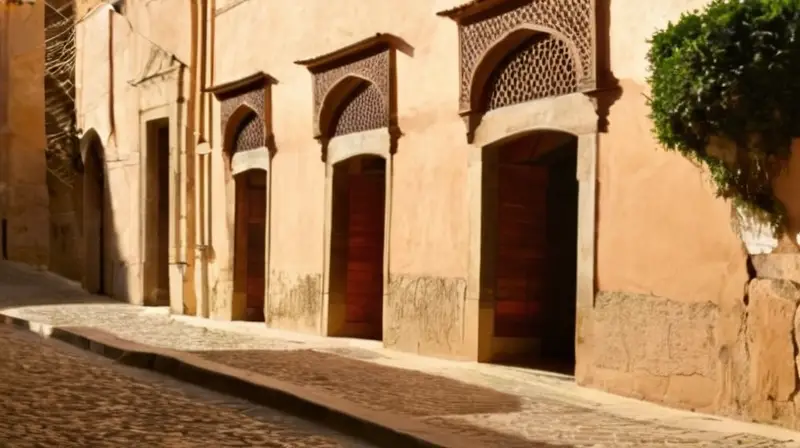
[[493, 405], [54, 395]]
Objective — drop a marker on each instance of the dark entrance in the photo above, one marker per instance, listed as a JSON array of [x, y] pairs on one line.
[[96, 222], [535, 229], [156, 272]]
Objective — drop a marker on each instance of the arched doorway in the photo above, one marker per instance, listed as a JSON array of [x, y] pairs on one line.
[[248, 171], [96, 220], [357, 243], [528, 69], [531, 240]]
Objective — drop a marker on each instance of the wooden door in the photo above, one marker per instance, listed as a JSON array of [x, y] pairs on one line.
[[521, 249], [364, 290], [256, 247], [250, 256]]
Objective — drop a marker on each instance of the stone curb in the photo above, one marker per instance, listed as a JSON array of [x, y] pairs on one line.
[[381, 428]]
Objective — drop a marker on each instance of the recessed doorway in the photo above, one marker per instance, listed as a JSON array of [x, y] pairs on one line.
[[96, 221], [531, 214], [156, 256], [250, 245], [357, 244]]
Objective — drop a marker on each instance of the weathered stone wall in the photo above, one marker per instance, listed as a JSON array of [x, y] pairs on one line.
[[425, 312], [295, 302]]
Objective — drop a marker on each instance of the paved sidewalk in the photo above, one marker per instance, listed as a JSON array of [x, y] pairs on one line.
[[491, 405]]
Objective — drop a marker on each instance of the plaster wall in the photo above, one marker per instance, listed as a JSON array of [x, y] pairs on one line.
[[114, 53], [678, 317], [428, 243], [23, 176]]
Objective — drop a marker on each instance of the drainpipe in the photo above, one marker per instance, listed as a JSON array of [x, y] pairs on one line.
[[203, 308], [190, 298]]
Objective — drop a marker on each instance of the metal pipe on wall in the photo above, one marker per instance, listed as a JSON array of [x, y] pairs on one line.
[[190, 297]]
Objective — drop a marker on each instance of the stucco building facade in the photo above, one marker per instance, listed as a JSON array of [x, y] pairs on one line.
[[474, 181], [24, 214]]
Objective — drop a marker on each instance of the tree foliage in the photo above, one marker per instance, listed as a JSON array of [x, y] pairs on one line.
[[731, 72]]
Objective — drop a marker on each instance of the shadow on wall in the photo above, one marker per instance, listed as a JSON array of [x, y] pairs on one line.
[[102, 271], [435, 400], [66, 257]]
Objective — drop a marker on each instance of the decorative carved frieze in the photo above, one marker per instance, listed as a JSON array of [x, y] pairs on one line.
[[245, 113], [354, 88]]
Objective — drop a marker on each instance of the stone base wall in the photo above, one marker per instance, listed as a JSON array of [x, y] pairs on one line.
[[425, 314], [294, 301], [736, 359]]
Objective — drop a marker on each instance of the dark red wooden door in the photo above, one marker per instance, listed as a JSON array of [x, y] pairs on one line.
[[365, 248], [250, 256], [521, 249]]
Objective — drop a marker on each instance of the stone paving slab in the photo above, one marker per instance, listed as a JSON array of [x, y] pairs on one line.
[[544, 409]]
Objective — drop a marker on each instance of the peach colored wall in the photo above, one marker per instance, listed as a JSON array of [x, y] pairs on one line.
[[657, 215], [678, 221], [428, 238], [24, 175], [671, 271]]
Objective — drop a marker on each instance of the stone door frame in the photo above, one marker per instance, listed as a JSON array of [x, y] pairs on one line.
[[340, 149], [161, 90], [488, 30], [159, 87], [169, 113], [574, 114], [369, 63]]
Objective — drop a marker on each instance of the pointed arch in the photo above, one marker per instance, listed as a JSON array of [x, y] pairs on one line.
[[95, 211], [504, 49], [91, 143], [244, 130], [353, 103]]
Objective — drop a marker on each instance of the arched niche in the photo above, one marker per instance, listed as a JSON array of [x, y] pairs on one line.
[[522, 50], [96, 217], [528, 63], [353, 104], [248, 146], [354, 89], [355, 121], [245, 141]]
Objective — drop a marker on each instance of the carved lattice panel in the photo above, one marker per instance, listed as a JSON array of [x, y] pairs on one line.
[[542, 67], [363, 111], [375, 69], [570, 18], [250, 131], [249, 134]]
